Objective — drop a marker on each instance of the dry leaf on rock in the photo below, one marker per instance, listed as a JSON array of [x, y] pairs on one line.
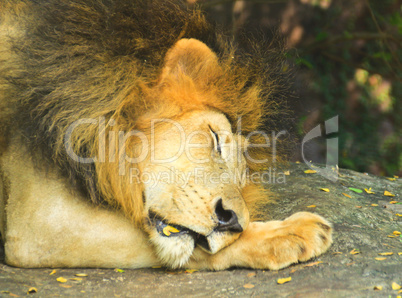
[[369, 191], [313, 264], [388, 194], [32, 290], [386, 253], [61, 279], [395, 286], [354, 252], [190, 270], [284, 280]]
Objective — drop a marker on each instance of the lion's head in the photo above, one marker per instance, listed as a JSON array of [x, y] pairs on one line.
[[184, 166]]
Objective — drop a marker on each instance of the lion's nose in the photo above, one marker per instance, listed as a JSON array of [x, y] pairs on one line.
[[227, 219]]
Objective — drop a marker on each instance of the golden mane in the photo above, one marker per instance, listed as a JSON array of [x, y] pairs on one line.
[[107, 60]]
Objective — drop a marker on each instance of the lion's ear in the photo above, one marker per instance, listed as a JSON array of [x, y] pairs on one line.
[[190, 58]]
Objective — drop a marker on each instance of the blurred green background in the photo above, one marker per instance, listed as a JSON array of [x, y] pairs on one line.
[[348, 63]]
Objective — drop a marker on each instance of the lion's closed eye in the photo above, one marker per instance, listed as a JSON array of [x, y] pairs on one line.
[[216, 140]]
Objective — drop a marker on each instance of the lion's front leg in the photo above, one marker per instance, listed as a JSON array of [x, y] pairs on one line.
[[272, 245]]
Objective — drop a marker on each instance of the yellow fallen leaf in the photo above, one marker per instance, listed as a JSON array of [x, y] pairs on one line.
[[374, 205], [396, 233], [391, 236], [190, 270], [346, 195], [32, 290], [395, 176], [354, 252], [169, 229], [393, 202], [369, 190], [388, 194], [65, 286], [310, 171], [391, 179], [358, 206], [395, 286], [311, 206], [397, 214], [325, 189], [248, 286], [385, 253], [378, 288], [400, 253], [287, 173], [284, 280], [118, 270], [297, 161], [313, 264], [381, 259], [53, 272], [81, 274], [76, 278], [251, 274], [61, 279]]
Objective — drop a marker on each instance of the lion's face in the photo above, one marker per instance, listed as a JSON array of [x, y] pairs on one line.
[[193, 189]]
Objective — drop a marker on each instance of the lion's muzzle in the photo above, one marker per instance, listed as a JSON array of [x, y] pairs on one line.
[[227, 226]]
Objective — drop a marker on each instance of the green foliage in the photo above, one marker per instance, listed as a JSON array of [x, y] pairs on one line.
[[350, 53], [356, 68]]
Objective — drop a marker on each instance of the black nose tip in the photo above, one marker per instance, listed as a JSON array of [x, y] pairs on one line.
[[227, 219]]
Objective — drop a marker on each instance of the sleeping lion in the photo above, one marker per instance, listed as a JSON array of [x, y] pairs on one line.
[[130, 137]]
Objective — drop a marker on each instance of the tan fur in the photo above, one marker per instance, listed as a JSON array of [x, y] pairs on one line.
[[47, 221]]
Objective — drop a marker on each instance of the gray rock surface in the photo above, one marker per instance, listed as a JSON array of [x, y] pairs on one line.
[[359, 226]]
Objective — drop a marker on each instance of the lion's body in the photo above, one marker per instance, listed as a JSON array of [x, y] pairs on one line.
[[97, 95]]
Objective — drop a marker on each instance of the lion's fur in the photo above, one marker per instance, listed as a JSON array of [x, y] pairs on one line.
[[101, 58]]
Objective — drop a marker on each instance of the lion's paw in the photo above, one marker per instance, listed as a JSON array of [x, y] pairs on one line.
[[277, 244]]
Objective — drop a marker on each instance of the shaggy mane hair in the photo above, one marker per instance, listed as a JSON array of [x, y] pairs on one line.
[[102, 58]]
